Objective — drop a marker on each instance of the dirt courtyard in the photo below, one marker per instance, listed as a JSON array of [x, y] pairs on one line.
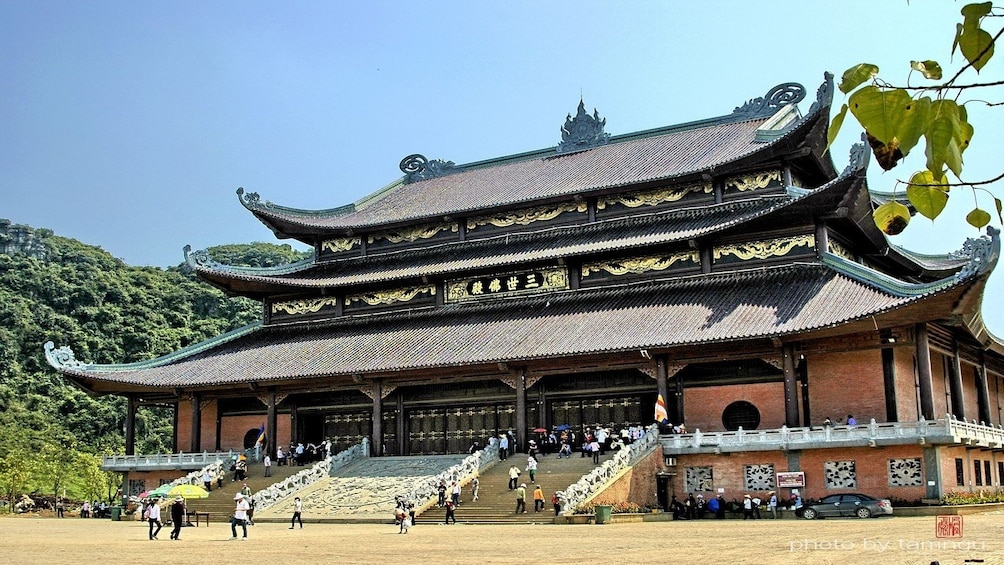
[[27, 539]]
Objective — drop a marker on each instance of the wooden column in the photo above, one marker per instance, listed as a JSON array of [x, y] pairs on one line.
[[130, 425], [889, 380], [983, 392], [802, 369], [271, 425], [676, 411], [955, 383], [661, 378], [402, 443], [925, 382], [376, 439], [790, 387], [195, 442], [520, 410]]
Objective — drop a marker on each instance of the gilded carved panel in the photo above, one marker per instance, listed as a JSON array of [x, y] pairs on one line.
[[390, 296], [305, 306], [654, 197], [765, 249], [340, 244], [639, 265], [411, 235], [755, 181], [526, 216]]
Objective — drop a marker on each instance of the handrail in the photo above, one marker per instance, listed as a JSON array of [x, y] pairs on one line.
[[167, 459], [870, 432], [425, 490], [591, 482], [276, 493]]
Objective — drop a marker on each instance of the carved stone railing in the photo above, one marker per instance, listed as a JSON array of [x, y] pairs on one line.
[[872, 434], [162, 462], [425, 491], [593, 481], [281, 490]]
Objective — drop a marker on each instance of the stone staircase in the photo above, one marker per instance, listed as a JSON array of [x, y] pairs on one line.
[[496, 504], [220, 503]]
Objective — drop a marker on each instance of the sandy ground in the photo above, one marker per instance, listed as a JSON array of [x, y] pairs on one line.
[[834, 541]]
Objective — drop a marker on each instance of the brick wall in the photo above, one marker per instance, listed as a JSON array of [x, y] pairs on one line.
[[847, 383], [907, 407], [637, 485], [703, 406], [232, 428]]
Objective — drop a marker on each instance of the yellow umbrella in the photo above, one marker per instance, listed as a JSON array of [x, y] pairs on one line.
[[188, 491]]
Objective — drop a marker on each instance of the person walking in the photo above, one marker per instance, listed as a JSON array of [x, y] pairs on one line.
[[475, 485], [153, 517], [451, 512], [748, 508], [503, 448], [455, 493], [521, 499], [538, 499], [207, 481], [513, 476], [531, 467], [772, 505], [60, 507], [240, 517], [177, 517], [297, 512], [556, 502], [267, 462]]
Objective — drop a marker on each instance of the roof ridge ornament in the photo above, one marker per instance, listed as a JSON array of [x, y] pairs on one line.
[[857, 158], [824, 94], [62, 358], [780, 95], [416, 167], [583, 131], [982, 253]]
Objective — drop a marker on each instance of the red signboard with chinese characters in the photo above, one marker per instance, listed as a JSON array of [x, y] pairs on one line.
[[791, 479]]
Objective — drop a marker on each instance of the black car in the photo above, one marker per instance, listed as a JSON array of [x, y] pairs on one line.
[[852, 504]]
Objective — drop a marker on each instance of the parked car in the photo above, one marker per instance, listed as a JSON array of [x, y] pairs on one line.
[[853, 504]]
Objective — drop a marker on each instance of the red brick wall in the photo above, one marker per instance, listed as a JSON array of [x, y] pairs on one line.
[[703, 406], [232, 428], [942, 403], [638, 485], [847, 383], [907, 409]]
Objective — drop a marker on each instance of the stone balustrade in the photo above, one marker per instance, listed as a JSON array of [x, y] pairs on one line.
[[282, 490], [936, 432], [165, 462], [592, 482]]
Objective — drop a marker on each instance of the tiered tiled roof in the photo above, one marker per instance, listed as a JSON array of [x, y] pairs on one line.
[[700, 309]]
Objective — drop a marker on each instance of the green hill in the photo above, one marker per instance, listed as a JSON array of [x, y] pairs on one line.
[[61, 290]]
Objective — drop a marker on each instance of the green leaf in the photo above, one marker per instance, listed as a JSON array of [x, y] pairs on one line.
[[913, 124], [927, 193], [930, 69], [943, 135], [856, 76], [959, 28], [835, 125], [977, 10], [997, 202], [972, 43], [978, 218], [891, 217], [880, 112]]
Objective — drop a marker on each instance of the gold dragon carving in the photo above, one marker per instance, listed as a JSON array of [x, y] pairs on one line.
[[340, 244], [753, 181], [306, 306], [765, 249], [412, 235], [639, 265], [390, 296], [526, 216], [654, 197]]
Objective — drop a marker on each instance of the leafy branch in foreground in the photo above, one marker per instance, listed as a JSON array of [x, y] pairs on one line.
[[895, 121]]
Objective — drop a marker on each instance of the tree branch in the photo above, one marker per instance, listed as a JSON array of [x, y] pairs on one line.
[[950, 184]]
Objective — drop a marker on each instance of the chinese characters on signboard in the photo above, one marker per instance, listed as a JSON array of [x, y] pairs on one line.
[[513, 283]]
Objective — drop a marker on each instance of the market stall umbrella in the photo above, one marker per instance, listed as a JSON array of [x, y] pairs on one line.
[[188, 491], [159, 491], [540, 430]]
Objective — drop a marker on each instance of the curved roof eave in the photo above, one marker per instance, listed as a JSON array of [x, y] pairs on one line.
[[302, 224]]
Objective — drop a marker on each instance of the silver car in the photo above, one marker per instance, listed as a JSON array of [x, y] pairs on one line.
[[853, 504]]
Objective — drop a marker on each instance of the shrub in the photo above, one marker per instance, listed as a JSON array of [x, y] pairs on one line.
[[982, 496]]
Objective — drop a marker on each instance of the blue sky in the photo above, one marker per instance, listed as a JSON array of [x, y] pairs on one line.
[[130, 125]]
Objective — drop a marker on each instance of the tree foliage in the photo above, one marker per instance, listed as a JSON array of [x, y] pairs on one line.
[[897, 118], [108, 312]]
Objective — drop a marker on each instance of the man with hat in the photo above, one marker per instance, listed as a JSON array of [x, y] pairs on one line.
[[747, 508], [177, 517], [240, 517], [521, 499]]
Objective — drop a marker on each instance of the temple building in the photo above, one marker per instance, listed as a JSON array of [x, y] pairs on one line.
[[725, 264]]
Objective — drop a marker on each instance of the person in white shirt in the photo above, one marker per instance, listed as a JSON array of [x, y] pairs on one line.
[[267, 462], [153, 516], [297, 510], [240, 516]]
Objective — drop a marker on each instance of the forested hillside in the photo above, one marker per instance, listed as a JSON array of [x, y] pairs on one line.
[[61, 290]]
